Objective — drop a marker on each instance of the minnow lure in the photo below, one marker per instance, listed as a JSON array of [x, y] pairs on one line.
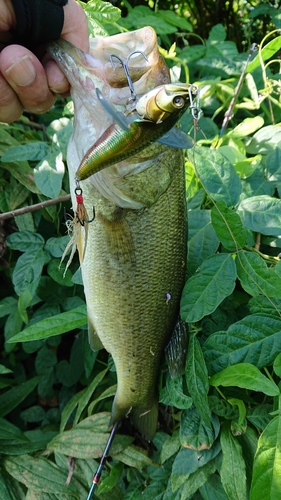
[[155, 114]]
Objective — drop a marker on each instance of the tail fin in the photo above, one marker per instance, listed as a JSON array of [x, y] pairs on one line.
[[144, 418]]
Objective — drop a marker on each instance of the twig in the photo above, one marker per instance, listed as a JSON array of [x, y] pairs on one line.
[[229, 113], [33, 208]]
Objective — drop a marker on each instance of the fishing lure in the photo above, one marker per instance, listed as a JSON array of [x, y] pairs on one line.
[[150, 118], [155, 114]]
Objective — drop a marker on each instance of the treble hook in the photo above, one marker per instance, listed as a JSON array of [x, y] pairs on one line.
[[125, 66]]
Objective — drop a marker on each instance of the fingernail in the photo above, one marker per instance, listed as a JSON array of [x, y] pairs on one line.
[[22, 72]]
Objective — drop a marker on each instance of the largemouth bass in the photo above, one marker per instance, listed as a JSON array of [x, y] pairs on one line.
[[134, 262]]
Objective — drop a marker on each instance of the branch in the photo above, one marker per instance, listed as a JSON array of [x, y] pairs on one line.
[[33, 208]]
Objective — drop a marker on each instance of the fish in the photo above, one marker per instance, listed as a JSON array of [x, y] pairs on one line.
[[133, 264]]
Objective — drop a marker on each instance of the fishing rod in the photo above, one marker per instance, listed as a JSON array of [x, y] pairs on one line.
[[97, 475]]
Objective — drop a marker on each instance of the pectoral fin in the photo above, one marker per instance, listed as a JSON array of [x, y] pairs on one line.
[[94, 339], [176, 138]]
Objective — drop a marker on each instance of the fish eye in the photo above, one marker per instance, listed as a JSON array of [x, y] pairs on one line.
[[178, 101]]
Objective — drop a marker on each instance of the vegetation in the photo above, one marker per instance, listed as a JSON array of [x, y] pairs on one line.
[[219, 432]]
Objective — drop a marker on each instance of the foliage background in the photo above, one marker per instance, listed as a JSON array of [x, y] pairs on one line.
[[220, 420]]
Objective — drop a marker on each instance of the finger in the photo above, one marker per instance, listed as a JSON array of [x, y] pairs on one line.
[[57, 81], [75, 28], [26, 76], [10, 106]]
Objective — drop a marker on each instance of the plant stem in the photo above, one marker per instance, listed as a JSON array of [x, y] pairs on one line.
[[33, 208]]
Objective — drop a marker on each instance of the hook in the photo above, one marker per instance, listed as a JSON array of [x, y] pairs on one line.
[[81, 212], [125, 66]]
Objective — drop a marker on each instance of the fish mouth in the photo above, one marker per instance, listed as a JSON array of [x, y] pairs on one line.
[[100, 68]]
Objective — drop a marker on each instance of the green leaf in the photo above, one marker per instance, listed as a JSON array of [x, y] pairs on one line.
[[61, 323], [265, 140], [273, 166], [218, 176], [249, 443], [217, 34], [213, 489], [13, 397], [24, 241], [188, 460], [111, 480], [198, 479], [195, 433], [228, 227], [247, 127], [7, 306], [59, 273], [233, 469], [48, 174], [28, 269], [255, 339], [261, 214], [173, 395], [277, 365], [255, 277], [45, 359], [202, 239], [104, 12], [170, 447], [4, 370], [9, 432], [132, 456], [247, 167], [266, 53], [266, 483], [172, 18], [86, 443], [222, 408], [10, 489], [18, 195], [246, 376], [56, 246], [204, 291], [23, 173], [39, 474], [33, 151], [33, 414], [263, 305], [157, 23], [196, 376], [87, 394], [260, 416]]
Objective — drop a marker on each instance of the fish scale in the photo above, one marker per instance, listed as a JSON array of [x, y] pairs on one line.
[[127, 282], [133, 267]]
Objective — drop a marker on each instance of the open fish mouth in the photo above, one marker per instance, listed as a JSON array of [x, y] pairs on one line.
[[95, 70]]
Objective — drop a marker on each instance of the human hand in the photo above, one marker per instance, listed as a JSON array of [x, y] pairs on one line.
[[25, 82]]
